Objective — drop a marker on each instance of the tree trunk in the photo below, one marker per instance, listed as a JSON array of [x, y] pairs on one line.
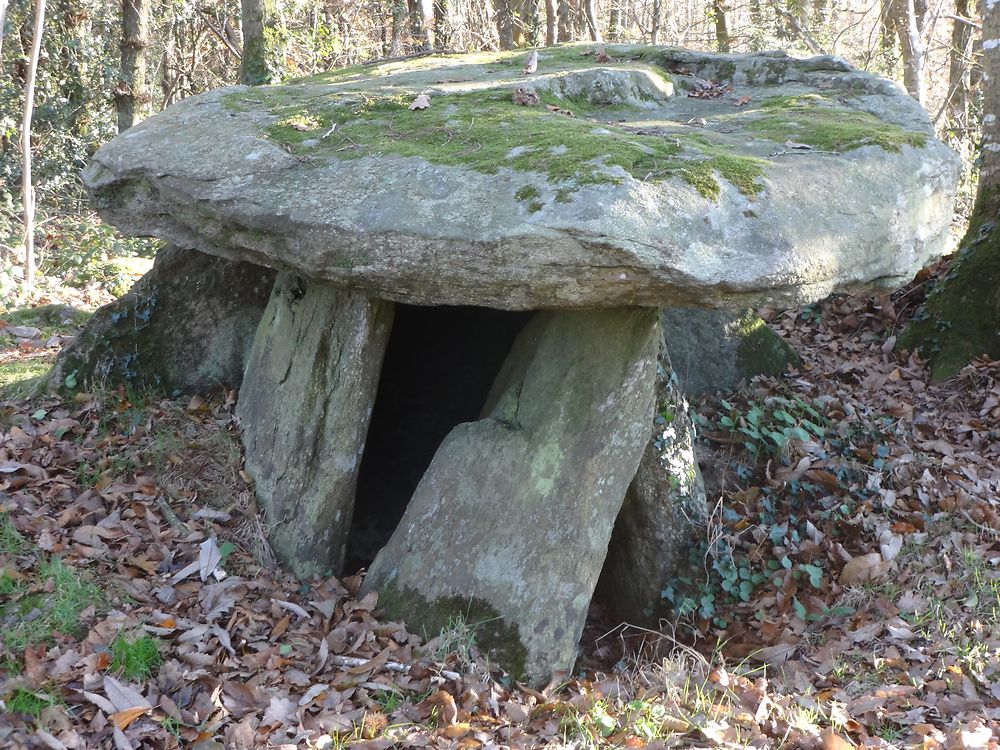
[[907, 19], [26, 188], [3, 21], [614, 21], [442, 26], [264, 42], [398, 22], [960, 318], [527, 27], [959, 66], [132, 99], [550, 22], [590, 8], [721, 28], [422, 23], [505, 23], [565, 18], [654, 36]]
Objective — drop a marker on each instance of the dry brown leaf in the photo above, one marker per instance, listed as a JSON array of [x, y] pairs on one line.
[[862, 568], [460, 729], [123, 718], [833, 741]]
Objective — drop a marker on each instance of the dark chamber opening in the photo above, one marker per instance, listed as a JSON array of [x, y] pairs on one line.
[[437, 373]]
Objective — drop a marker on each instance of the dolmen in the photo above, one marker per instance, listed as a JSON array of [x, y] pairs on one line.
[[442, 285]]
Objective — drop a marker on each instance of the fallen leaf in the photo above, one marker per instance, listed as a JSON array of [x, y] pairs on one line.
[[421, 102]]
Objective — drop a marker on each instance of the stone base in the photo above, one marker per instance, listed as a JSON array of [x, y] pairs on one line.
[[663, 512], [305, 405], [185, 327], [510, 524], [719, 349]]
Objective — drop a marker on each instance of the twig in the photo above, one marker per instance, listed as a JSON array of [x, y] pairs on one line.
[[392, 666], [220, 34], [171, 517]]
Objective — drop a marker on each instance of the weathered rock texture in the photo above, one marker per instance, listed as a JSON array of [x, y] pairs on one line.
[[305, 405], [186, 326], [663, 513], [719, 349], [479, 201], [510, 524]]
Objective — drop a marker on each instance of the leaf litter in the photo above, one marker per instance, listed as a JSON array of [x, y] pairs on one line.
[[859, 499]]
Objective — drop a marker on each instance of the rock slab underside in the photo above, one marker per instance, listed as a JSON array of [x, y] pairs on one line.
[[305, 405], [509, 526], [186, 326], [808, 177]]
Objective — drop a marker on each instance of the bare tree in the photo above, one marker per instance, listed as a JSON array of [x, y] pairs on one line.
[[132, 98], [564, 31], [505, 23], [590, 8], [721, 28], [29, 106], [907, 19], [442, 25], [960, 63]]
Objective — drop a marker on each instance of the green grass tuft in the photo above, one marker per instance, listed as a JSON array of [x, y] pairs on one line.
[[22, 378], [38, 617], [30, 703], [136, 659], [11, 541]]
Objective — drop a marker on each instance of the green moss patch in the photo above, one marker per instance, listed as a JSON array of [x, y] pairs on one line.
[[496, 637], [485, 131], [814, 121], [761, 351], [959, 318]]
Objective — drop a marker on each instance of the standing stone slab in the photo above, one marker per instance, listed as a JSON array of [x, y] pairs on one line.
[[186, 326], [714, 349], [510, 524], [662, 515], [305, 405]]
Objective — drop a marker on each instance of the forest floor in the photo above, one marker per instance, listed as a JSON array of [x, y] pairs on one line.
[[852, 596]]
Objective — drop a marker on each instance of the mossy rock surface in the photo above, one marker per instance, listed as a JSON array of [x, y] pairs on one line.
[[659, 177]]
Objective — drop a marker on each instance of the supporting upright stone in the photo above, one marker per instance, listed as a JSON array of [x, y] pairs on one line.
[[186, 326], [510, 524], [662, 515], [305, 405], [715, 349]]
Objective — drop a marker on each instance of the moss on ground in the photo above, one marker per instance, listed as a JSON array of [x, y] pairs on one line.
[[814, 121], [22, 378], [497, 638], [486, 131]]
